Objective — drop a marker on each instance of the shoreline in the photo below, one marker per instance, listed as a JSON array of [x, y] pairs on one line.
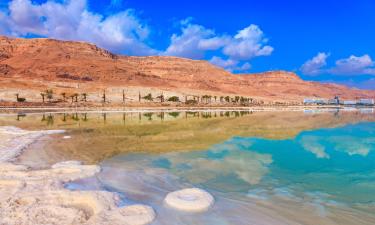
[[39, 196], [137, 109], [28, 186]]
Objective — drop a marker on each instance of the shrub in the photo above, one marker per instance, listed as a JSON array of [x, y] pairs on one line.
[[174, 114], [148, 97], [173, 99], [21, 99], [191, 102]]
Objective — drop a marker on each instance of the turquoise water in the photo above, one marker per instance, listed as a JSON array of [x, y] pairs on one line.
[[327, 167], [261, 167]]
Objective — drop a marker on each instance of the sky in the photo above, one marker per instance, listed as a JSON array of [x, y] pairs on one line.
[[326, 41]]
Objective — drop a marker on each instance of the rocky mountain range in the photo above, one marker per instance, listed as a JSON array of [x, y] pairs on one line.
[[32, 65]]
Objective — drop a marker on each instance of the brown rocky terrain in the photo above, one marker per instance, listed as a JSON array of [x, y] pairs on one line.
[[29, 66]]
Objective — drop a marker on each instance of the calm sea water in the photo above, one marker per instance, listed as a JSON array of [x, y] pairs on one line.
[[261, 167]]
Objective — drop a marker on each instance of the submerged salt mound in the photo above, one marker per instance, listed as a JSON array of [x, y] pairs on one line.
[[190, 200]]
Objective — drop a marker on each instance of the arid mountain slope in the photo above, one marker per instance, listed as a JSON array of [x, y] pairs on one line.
[[35, 64]]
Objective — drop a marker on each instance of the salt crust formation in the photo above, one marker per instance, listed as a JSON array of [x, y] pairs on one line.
[[38, 196], [190, 200]]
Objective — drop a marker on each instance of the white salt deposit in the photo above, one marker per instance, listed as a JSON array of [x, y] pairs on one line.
[[190, 200], [38, 196]]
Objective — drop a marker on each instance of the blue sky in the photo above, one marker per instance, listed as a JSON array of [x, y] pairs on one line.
[[328, 41]]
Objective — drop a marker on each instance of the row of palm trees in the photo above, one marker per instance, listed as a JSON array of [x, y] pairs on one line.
[[49, 94], [50, 118]]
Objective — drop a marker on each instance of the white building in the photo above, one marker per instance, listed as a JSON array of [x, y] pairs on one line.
[[350, 102], [366, 102], [314, 101]]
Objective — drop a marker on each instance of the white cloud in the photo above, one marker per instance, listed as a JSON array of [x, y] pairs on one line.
[[213, 43], [244, 67], [196, 40], [223, 63], [230, 64], [353, 65], [248, 43], [311, 144], [314, 66], [70, 20], [123, 32], [193, 41]]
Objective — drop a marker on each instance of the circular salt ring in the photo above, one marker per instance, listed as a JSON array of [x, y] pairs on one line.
[[190, 200]]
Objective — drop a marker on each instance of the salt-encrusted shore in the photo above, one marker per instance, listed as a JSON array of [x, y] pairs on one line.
[[38, 196]]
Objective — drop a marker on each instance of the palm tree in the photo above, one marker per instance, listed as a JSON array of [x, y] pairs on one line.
[[64, 96], [237, 99], [49, 94], [84, 96], [104, 96], [43, 96], [161, 97], [148, 97], [76, 97]]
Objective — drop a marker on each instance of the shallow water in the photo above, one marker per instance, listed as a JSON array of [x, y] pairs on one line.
[[261, 167]]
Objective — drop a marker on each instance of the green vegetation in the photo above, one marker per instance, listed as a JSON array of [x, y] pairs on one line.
[[173, 99], [64, 96], [20, 99], [84, 97], [43, 96], [74, 97], [174, 114], [191, 102], [148, 97], [49, 94], [161, 97], [148, 115], [104, 97]]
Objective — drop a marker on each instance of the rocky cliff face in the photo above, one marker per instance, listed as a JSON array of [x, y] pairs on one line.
[[42, 63]]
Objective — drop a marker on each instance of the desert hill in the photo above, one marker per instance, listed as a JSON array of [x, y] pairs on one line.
[[33, 65]]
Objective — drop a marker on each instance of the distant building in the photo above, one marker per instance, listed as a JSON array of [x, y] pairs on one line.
[[366, 102], [314, 101], [350, 102], [333, 102]]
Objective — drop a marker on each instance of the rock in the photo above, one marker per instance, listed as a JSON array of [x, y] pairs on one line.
[[52, 63]]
